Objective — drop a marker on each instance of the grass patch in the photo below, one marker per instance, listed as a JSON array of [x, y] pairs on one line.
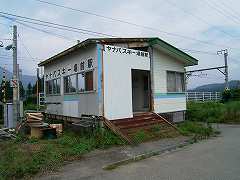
[[24, 157], [214, 112], [198, 129], [140, 136]]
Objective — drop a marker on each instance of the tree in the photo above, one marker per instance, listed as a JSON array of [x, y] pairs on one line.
[[29, 89], [21, 90]]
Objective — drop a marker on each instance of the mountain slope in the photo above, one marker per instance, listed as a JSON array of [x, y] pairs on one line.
[[217, 86]]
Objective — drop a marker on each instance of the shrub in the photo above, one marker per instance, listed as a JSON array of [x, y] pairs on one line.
[[204, 111], [213, 112], [195, 128], [226, 95], [232, 112]]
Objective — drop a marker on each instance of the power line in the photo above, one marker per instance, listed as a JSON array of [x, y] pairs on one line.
[[43, 31], [198, 51], [5, 39], [127, 22], [56, 24], [205, 42], [20, 59], [197, 17], [214, 6], [235, 13], [25, 47], [20, 21]]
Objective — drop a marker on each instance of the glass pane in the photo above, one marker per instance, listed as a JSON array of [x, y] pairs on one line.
[[66, 84], [72, 83], [89, 81], [46, 87], [81, 82], [54, 86], [50, 87], [171, 82], [58, 86], [180, 82]]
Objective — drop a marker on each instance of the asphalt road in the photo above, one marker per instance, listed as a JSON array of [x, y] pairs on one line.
[[214, 159]]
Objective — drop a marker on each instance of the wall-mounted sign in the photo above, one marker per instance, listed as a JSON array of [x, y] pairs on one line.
[[121, 50]]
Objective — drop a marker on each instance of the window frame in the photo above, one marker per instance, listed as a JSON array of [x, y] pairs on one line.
[[51, 82], [78, 91], [69, 89], [183, 85], [84, 72]]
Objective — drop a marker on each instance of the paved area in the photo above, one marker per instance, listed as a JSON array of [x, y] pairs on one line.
[[213, 159]]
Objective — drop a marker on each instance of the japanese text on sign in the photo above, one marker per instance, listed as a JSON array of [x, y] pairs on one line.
[[120, 50]]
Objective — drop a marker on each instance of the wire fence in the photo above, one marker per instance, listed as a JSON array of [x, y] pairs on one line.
[[203, 96]]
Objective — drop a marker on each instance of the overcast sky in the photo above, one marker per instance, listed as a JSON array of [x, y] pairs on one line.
[[213, 21]]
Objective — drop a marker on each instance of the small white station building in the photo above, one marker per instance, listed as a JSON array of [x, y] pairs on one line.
[[116, 78]]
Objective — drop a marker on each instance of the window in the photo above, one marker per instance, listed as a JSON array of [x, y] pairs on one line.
[[81, 82], [47, 87], [85, 81], [53, 86], [175, 81], [50, 85], [90, 63], [70, 84], [89, 81], [56, 86]]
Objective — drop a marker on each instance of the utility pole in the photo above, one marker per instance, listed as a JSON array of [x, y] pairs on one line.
[[4, 85], [15, 78], [225, 54], [37, 89]]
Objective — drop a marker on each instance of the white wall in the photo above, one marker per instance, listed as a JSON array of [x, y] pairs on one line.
[[163, 101], [118, 82], [78, 103]]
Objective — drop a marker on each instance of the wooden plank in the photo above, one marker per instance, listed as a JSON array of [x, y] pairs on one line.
[[175, 127], [116, 130]]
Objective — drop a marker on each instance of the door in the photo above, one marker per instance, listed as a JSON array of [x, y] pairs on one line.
[[140, 90]]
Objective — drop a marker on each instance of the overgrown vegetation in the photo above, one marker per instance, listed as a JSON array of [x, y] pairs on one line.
[[25, 157], [214, 112], [197, 129], [140, 136], [231, 95]]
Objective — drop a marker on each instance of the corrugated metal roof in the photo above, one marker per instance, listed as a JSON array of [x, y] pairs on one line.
[[151, 40]]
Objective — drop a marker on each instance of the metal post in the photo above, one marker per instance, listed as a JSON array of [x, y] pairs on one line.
[[226, 68], [15, 88], [37, 91], [18, 98], [225, 53], [4, 85]]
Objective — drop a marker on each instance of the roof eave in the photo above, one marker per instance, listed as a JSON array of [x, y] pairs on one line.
[[189, 60], [65, 52]]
